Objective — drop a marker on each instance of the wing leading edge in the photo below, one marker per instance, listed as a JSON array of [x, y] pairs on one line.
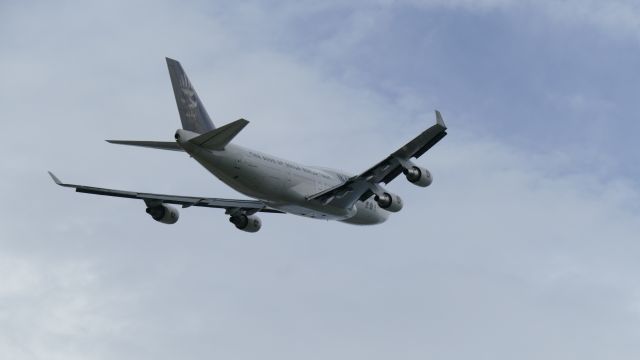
[[249, 206], [363, 186]]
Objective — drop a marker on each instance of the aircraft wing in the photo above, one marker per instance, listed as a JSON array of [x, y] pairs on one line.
[[248, 206], [362, 186]]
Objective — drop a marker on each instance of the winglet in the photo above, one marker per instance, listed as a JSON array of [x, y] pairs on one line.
[[439, 119], [55, 178]]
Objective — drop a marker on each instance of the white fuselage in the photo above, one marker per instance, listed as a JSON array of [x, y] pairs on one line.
[[281, 184]]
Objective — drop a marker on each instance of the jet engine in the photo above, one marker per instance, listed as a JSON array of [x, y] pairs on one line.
[[418, 176], [248, 223], [389, 202], [164, 213]]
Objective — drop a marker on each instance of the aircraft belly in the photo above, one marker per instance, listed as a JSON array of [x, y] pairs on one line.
[[270, 184], [314, 211], [229, 169], [255, 180]]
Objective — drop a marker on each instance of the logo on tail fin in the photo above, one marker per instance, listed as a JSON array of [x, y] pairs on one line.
[[189, 98], [192, 113]]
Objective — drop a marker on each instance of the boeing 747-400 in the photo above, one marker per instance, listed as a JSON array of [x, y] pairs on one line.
[[276, 185]]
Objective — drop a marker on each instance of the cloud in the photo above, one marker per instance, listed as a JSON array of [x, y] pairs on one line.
[[618, 17], [54, 310], [509, 253]]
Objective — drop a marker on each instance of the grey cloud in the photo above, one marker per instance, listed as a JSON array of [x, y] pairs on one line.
[[509, 254]]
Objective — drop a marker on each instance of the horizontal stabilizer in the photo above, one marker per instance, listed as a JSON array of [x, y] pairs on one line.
[[218, 138], [162, 145]]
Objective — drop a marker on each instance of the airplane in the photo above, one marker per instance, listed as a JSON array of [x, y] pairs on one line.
[[276, 185]]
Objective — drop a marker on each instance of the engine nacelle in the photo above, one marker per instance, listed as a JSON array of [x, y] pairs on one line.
[[165, 214], [389, 202], [418, 176], [248, 223]]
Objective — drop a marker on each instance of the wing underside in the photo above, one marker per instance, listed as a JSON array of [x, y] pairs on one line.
[[250, 206]]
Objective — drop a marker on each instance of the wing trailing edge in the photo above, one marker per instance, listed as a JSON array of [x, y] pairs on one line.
[[362, 186], [231, 205]]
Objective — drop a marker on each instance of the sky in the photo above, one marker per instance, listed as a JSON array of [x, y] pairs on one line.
[[525, 246]]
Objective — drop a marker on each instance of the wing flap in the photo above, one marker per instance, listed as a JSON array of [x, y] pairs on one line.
[[389, 168], [363, 186]]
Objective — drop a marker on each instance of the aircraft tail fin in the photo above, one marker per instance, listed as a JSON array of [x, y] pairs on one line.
[[193, 115], [218, 138]]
